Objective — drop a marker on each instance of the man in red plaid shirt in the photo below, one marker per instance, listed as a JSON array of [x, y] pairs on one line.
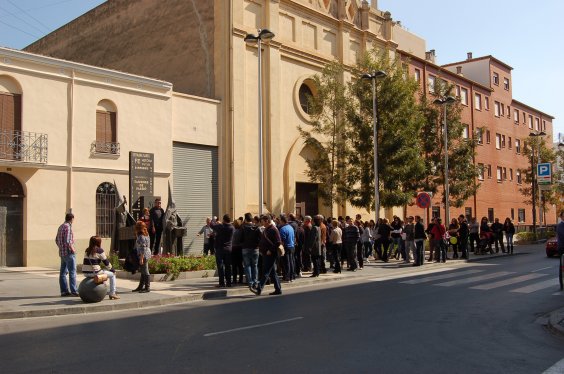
[[65, 242]]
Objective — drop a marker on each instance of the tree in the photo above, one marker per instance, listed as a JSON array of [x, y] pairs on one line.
[[324, 134], [399, 123], [461, 152], [531, 149]]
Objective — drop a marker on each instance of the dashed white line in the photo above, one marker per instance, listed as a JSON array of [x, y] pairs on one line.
[[252, 326], [538, 286], [442, 276], [507, 282], [557, 368]]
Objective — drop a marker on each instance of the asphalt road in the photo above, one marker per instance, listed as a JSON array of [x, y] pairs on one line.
[[474, 318]]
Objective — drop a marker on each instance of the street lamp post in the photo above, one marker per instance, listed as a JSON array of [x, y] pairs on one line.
[[378, 74], [444, 102], [264, 36], [535, 180]]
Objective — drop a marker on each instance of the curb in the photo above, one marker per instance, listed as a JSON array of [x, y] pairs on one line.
[[478, 258], [556, 322]]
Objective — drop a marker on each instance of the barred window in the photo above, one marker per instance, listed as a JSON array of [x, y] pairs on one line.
[[105, 205]]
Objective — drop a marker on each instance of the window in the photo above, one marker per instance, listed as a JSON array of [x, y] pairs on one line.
[[503, 141], [305, 96], [508, 111], [417, 75], [518, 176], [537, 124], [489, 171], [436, 211], [481, 172], [521, 215], [502, 110], [464, 96], [510, 174], [490, 214], [499, 174], [488, 137], [106, 128], [478, 101], [509, 142], [517, 146], [543, 125], [480, 136], [504, 173], [497, 141], [496, 79], [105, 209], [468, 213], [512, 214], [530, 121], [516, 116], [10, 125], [465, 132], [496, 108], [486, 103], [431, 83], [506, 84], [524, 117]]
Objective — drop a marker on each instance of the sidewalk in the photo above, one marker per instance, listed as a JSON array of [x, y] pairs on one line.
[[34, 291]]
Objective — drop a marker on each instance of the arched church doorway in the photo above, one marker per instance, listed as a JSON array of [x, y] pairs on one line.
[[11, 221]]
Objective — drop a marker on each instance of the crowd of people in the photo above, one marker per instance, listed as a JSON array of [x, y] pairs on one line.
[[254, 250]]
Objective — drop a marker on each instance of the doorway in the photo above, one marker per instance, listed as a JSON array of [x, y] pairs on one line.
[[11, 221], [307, 193]]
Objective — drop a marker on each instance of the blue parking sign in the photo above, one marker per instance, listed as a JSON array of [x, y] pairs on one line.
[[544, 170]]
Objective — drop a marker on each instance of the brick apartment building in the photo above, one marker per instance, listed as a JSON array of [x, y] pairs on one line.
[[501, 125]]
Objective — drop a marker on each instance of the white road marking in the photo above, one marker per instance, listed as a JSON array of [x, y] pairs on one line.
[[548, 267], [408, 275], [522, 278], [558, 293], [538, 286], [443, 276], [557, 368], [474, 279], [252, 326]]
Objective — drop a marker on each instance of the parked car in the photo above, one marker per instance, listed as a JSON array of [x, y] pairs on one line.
[[551, 247]]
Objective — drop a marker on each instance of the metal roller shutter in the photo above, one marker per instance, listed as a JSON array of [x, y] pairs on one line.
[[195, 189]]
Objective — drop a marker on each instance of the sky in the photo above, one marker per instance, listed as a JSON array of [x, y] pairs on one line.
[[525, 35]]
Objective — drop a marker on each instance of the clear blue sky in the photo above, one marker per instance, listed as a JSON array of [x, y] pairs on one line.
[[526, 35]]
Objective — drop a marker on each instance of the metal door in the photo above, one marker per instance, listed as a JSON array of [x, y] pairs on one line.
[[11, 221]]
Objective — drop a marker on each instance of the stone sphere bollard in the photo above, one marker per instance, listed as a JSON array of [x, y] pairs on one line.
[[90, 292]]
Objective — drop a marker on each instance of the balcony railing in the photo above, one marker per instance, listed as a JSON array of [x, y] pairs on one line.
[[23, 146], [109, 148]]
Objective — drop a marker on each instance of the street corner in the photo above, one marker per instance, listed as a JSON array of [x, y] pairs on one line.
[[556, 322]]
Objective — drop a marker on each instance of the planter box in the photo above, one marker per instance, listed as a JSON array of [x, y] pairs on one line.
[[121, 274]]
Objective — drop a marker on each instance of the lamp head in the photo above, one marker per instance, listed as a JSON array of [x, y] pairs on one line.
[[251, 39], [266, 35], [366, 76]]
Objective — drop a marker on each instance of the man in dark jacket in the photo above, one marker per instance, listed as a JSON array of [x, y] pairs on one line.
[[419, 237], [156, 215], [268, 247], [250, 239], [463, 233], [351, 235], [497, 229], [223, 247], [313, 244]]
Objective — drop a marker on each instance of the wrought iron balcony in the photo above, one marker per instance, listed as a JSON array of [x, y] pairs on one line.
[[109, 148], [23, 146]]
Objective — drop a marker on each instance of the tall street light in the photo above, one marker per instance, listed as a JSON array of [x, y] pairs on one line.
[[377, 74], [444, 102], [264, 36], [534, 172]]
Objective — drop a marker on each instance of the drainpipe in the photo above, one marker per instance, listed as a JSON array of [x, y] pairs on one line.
[[231, 113], [70, 127]]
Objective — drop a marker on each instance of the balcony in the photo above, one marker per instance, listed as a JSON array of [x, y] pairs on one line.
[[23, 146], [104, 148]]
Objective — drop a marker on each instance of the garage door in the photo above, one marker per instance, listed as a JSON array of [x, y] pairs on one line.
[[195, 189]]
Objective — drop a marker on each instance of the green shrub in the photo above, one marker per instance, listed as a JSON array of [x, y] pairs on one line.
[[114, 260], [528, 236], [173, 266]]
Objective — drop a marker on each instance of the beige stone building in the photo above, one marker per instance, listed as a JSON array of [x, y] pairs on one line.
[[199, 47], [66, 131]]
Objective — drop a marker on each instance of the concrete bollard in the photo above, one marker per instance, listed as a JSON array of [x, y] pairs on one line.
[[90, 292]]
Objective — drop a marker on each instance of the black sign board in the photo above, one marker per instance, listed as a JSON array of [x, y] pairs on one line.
[[141, 176]]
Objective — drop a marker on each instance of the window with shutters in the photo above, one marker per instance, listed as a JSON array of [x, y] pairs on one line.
[[106, 129], [10, 125]]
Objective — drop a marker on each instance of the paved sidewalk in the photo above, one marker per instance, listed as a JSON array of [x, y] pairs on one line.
[[34, 291]]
